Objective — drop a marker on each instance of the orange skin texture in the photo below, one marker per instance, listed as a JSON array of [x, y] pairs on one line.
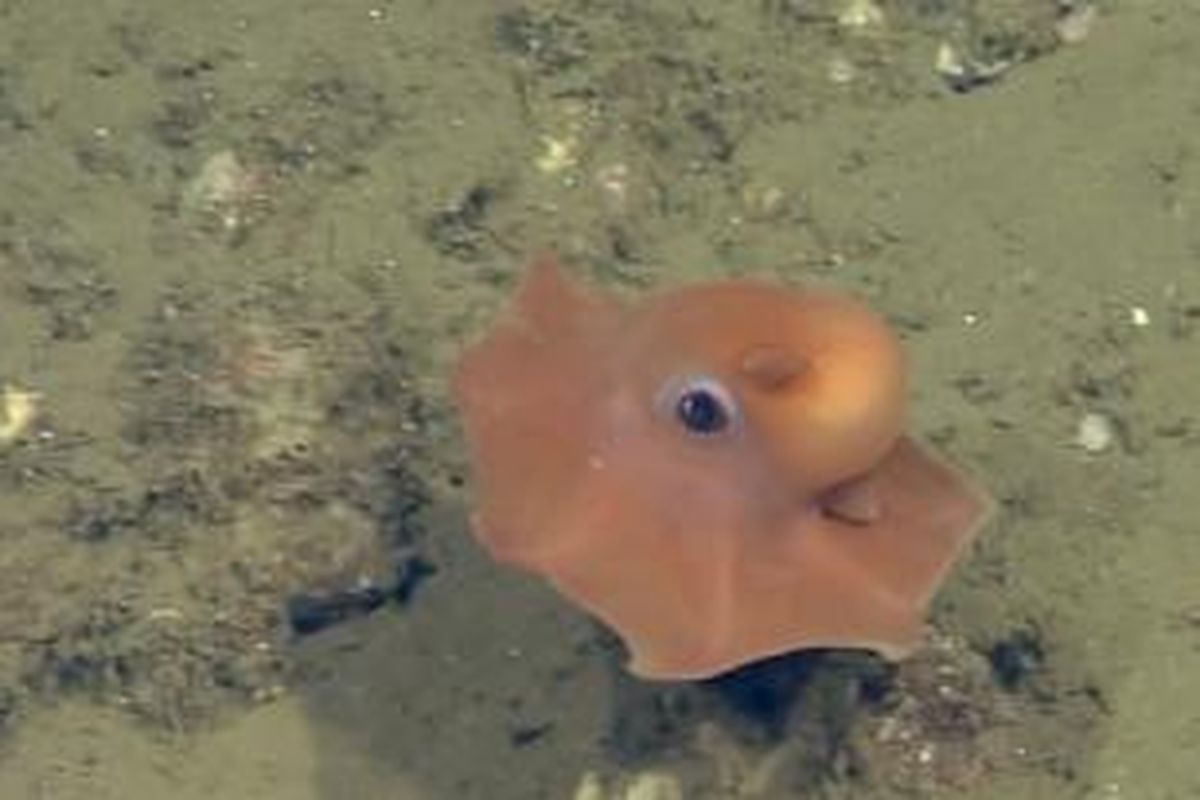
[[810, 520]]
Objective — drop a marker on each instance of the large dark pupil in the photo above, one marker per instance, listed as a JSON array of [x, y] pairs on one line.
[[701, 412]]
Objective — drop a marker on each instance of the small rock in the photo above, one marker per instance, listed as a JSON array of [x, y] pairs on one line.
[[590, 788], [648, 785], [18, 409], [1095, 432], [860, 14], [653, 786], [1074, 26]]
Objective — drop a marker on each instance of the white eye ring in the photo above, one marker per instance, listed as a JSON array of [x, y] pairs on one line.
[[701, 405]]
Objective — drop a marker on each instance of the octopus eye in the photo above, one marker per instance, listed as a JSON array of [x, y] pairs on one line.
[[704, 407]]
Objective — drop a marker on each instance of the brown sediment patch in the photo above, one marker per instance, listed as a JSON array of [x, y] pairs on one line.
[[262, 457]]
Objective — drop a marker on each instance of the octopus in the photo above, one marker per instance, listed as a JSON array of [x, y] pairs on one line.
[[720, 473]]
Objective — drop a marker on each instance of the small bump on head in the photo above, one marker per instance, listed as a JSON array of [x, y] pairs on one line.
[[772, 367]]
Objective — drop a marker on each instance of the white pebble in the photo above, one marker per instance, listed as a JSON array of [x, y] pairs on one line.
[[1095, 433], [1076, 25], [860, 14]]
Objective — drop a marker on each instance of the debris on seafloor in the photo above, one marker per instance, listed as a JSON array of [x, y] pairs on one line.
[[963, 73], [227, 191], [860, 14], [562, 147], [18, 409], [1139, 317], [313, 611], [558, 154], [1076, 23], [648, 785], [1095, 432], [741, 771]]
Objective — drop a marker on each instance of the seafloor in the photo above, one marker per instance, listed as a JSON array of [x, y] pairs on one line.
[[241, 242]]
